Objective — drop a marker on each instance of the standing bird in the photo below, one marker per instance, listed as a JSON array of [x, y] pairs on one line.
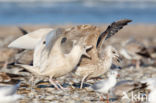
[[124, 87], [102, 66], [104, 86], [51, 61], [101, 58], [134, 50]]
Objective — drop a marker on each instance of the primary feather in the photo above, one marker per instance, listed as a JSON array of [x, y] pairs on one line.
[[111, 30]]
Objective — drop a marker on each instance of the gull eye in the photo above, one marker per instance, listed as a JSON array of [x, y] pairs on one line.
[[44, 42], [113, 52]]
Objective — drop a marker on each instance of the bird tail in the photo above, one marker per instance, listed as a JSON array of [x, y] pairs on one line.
[[29, 68], [139, 86]]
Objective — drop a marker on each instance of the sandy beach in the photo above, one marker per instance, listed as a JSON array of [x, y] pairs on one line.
[[44, 92]]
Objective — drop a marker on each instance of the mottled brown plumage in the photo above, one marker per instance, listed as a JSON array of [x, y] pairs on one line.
[[95, 38], [135, 50]]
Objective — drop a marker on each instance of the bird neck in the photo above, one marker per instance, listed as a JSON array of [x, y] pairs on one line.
[[107, 60], [112, 79]]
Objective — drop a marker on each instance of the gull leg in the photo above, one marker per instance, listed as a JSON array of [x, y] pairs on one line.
[[60, 85], [107, 98], [32, 82], [138, 64], [83, 79], [5, 64], [101, 98], [53, 83]]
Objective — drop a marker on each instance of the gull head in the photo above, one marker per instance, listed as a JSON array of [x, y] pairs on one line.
[[113, 53], [82, 48], [113, 73]]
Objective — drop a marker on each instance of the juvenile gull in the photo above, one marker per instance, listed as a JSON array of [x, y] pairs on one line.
[[102, 66], [134, 50], [101, 58], [123, 87], [51, 61], [8, 94], [104, 86]]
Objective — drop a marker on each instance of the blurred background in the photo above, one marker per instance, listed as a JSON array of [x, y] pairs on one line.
[[19, 12], [18, 17]]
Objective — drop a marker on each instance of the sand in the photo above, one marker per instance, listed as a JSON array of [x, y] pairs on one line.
[[43, 92]]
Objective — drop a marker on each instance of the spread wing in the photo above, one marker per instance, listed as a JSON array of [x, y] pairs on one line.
[[43, 49], [111, 30], [52, 37], [30, 40]]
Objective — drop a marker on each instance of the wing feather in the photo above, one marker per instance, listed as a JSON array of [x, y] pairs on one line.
[[24, 32], [30, 40], [111, 30]]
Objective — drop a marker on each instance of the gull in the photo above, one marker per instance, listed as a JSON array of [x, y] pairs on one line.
[[104, 86], [123, 87], [101, 58], [31, 40], [8, 94], [135, 50], [49, 59], [103, 65]]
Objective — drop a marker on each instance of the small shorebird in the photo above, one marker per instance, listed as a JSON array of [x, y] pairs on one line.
[[104, 86], [134, 50], [101, 58], [8, 94], [51, 61]]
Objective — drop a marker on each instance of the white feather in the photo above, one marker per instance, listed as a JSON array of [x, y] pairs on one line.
[[30, 40], [8, 94], [152, 96], [125, 54]]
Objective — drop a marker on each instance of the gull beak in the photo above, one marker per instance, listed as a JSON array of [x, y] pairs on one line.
[[118, 59], [89, 47], [87, 55], [118, 75]]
